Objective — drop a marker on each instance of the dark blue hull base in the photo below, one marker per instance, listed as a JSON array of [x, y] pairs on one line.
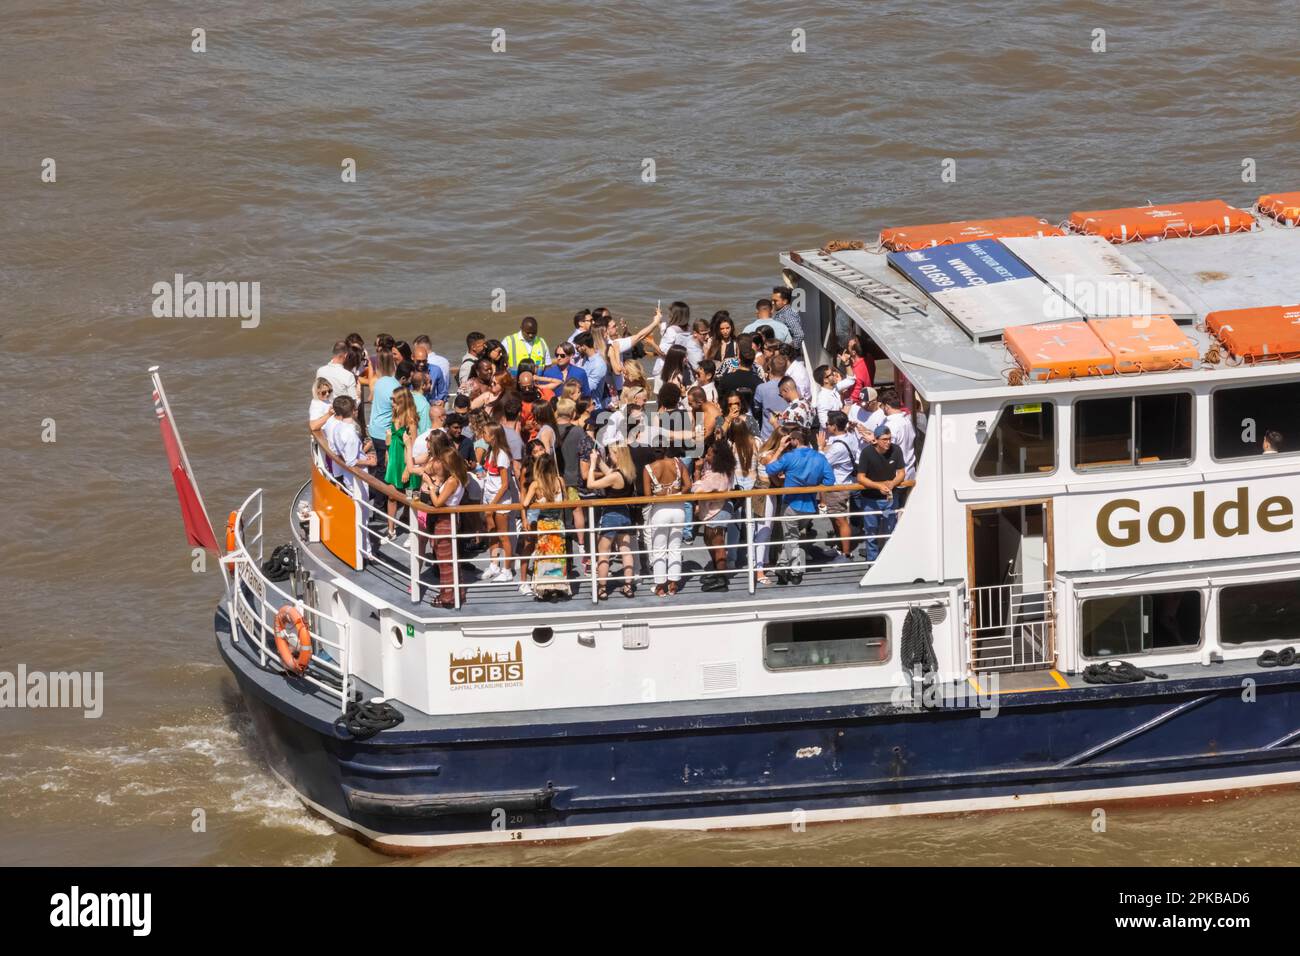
[[416, 788]]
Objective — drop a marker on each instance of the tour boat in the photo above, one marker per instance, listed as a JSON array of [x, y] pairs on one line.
[[1095, 484]]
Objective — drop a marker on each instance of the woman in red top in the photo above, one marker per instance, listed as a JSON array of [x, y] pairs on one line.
[[859, 367]]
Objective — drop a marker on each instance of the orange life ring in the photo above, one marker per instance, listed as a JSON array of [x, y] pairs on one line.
[[231, 542], [284, 618]]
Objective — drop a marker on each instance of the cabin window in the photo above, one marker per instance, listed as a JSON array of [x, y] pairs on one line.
[[826, 642], [1267, 611], [1132, 624], [1022, 442], [1132, 430], [1243, 417]]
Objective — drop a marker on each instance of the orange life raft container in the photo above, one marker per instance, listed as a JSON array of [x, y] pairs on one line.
[[1146, 343], [1284, 207], [1058, 350], [907, 238], [1212, 216], [1270, 332]]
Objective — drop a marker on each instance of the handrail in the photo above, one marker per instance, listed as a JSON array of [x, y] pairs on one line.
[[262, 608], [384, 488]]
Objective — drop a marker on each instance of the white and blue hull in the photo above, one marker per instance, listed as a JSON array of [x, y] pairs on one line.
[[773, 763]]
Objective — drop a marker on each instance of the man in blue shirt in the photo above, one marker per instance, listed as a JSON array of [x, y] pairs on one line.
[[594, 367], [786, 315], [426, 360], [564, 369], [802, 467], [767, 397]]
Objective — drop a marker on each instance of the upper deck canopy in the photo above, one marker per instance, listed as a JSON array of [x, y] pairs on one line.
[[953, 355]]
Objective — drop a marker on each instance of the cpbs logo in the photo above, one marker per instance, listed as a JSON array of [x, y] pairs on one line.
[[482, 669]]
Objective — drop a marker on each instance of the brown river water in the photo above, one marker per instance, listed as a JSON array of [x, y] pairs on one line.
[[521, 171]]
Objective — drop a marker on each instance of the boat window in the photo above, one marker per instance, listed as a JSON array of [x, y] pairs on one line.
[[1141, 623], [1244, 416], [1132, 430], [1267, 611], [1023, 441], [826, 642]]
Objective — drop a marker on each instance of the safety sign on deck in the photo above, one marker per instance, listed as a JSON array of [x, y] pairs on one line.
[[961, 265]]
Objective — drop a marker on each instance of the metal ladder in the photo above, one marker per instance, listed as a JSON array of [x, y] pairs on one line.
[[883, 297]]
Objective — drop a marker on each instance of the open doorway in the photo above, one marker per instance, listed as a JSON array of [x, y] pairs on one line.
[[1011, 617]]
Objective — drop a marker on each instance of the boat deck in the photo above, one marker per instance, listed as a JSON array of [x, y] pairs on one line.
[[822, 579]]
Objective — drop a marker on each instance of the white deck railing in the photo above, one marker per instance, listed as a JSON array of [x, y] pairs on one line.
[[253, 601], [1010, 626], [750, 541]]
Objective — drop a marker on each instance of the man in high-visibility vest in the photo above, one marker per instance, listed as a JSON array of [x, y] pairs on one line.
[[526, 343]]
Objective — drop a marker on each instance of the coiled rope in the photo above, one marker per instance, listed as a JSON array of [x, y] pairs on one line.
[[1283, 658], [918, 642], [838, 245], [364, 719], [1118, 672]]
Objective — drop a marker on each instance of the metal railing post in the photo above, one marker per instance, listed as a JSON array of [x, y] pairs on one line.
[[413, 547], [749, 544], [591, 553], [345, 632], [262, 628], [455, 564]]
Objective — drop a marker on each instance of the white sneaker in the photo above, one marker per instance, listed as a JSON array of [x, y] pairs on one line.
[[505, 577], [526, 589], [491, 573]]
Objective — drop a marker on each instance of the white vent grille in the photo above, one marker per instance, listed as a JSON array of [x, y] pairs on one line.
[[636, 636], [720, 676], [938, 613]]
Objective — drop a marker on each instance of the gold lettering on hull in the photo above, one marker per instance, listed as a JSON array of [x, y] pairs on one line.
[[1120, 524]]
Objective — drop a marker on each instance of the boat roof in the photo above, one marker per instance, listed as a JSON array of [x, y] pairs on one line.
[[939, 343]]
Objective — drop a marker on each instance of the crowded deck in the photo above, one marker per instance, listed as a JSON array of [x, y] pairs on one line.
[[532, 476]]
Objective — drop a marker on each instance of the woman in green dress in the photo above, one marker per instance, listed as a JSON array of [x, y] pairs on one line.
[[401, 434]]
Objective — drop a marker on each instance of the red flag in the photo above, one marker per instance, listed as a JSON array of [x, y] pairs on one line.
[[198, 529]]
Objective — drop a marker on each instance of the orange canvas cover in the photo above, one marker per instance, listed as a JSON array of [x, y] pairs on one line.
[[1282, 206], [1146, 343], [1252, 334], [339, 519], [1058, 350], [1168, 221], [907, 238]]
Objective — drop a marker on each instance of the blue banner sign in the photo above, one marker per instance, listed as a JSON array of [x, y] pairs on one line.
[[961, 265]]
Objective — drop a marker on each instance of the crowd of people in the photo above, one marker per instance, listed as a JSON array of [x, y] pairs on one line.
[[673, 408]]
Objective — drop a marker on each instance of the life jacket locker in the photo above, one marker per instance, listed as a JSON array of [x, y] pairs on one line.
[[908, 238], [1270, 332], [1284, 207], [1058, 350], [1146, 343], [1180, 220]]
